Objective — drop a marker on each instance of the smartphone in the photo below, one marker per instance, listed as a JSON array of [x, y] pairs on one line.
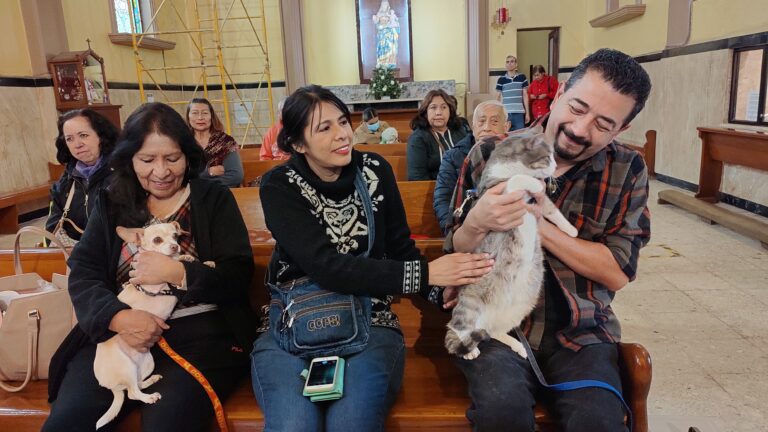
[[323, 373]]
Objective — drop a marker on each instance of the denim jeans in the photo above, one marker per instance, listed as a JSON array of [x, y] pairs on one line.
[[503, 388], [516, 121], [372, 379]]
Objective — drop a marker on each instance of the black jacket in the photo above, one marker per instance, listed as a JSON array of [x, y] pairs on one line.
[[220, 236], [423, 152], [84, 200]]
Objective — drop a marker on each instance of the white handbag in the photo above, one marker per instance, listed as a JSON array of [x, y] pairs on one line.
[[36, 317]]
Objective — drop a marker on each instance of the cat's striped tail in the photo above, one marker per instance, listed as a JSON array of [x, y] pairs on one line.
[[460, 346]]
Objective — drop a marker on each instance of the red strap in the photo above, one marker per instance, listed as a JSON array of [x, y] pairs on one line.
[[187, 366]]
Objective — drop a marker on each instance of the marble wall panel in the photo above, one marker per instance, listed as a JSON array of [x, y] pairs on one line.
[[27, 133], [691, 91]]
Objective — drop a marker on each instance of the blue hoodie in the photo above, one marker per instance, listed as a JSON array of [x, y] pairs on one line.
[[450, 167]]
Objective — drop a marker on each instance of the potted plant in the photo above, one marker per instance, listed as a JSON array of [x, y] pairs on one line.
[[384, 83]]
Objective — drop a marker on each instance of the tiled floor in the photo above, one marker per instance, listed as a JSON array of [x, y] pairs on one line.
[[700, 306]]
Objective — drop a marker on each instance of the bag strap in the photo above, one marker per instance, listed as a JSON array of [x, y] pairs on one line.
[[365, 197], [33, 329], [65, 212], [39, 231], [570, 385]]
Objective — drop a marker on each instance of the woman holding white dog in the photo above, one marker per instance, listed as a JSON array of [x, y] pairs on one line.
[[156, 163], [339, 223]]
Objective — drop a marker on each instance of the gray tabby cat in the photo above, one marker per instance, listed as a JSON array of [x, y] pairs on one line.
[[500, 301]]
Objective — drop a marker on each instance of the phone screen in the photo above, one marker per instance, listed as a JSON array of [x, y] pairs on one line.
[[322, 373]]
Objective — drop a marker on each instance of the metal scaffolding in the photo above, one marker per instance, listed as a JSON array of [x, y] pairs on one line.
[[220, 33]]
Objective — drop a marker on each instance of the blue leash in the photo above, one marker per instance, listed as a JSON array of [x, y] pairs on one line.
[[569, 385]]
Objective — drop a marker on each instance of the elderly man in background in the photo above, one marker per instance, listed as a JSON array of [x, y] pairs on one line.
[[489, 118]]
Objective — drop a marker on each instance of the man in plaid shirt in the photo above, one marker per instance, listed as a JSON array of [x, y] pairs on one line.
[[602, 189]]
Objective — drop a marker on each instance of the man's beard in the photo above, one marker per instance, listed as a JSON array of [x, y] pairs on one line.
[[561, 152]]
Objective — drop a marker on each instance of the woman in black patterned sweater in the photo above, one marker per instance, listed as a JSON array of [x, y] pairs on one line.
[[313, 211]]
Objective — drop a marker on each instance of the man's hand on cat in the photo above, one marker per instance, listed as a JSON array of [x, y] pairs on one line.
[[497, 211], [450, 297]]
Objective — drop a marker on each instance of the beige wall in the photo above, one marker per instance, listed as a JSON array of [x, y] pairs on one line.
[[330, 41], [532, 48], [717, 19], [569, 15], [638, 36], [13, 50]]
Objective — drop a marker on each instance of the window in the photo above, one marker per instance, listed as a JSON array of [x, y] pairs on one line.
[[748, 86], [142, 15], [142, 12]]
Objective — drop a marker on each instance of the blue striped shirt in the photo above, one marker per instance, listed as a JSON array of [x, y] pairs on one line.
[[512, 92]]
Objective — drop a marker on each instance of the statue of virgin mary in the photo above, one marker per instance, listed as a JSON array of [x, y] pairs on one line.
[[387, 35]]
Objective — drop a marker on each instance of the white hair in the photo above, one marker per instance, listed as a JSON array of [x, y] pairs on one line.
[[493, 102]]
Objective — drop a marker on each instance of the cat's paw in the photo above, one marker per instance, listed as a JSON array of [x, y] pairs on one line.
[[472, 354], [571, 230]]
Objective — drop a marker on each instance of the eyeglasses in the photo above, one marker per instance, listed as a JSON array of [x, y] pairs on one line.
[[202, 114]]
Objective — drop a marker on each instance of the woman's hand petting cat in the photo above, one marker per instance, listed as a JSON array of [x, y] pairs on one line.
[[459, 269], [497, 211]]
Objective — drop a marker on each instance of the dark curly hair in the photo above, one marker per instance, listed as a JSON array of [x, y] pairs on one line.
[[106, 131], [216, 125], [421, 122], [128, 199], [624, 73], [297, 114]]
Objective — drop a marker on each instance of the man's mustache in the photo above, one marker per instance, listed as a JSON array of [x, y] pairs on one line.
[[577, 139]]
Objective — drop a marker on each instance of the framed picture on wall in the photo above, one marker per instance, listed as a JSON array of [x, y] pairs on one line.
[[384, 37]]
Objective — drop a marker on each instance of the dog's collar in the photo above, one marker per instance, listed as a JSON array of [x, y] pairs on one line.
[[171, 290]]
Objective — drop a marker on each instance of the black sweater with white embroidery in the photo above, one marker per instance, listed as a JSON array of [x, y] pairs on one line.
[[322, 232]]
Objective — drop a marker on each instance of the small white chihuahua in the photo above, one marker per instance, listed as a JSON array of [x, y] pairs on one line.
[[118, 366]]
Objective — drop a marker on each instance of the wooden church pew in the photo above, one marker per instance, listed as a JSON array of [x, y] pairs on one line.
[[433, 395], [416, 195], [383, 149]]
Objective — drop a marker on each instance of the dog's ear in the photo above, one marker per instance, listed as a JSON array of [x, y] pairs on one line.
[[179, 231], [130, 235]]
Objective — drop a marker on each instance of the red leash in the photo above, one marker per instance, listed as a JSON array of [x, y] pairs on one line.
[[218, 408]]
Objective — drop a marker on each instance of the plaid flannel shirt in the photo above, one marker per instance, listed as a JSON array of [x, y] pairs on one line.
[[606, 200]]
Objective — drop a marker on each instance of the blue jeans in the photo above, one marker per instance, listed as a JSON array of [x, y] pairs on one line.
[[372, 379], [503, 388], [516, 121]]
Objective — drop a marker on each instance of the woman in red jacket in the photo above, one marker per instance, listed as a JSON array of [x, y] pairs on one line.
[[541, 91]]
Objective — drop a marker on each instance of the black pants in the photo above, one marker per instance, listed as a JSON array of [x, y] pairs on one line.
[[504, 389], [204, 340]]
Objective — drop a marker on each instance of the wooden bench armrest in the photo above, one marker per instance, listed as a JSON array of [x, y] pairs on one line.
[[636, 371]]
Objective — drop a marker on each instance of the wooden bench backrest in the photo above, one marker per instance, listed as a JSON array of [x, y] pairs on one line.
[[253, 169], [249, 153], [249, 203], [383, 149], [416, 195], [417, 200], [399, 167], [42, 261], [55, 171]]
